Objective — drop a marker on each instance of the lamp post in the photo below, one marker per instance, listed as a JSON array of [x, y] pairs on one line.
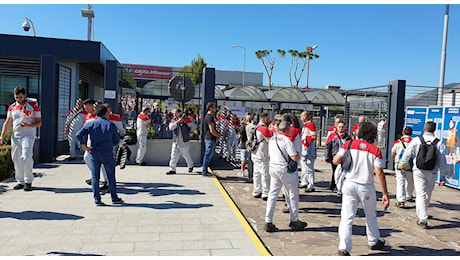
[[244, 60], [26, 26], [443, 58], [89, 13], [310, 56]]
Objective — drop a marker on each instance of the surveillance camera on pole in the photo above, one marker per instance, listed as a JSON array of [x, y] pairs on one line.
[[27, 24]]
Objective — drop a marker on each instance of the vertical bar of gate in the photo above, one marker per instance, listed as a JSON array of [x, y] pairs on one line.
[[395, 120]]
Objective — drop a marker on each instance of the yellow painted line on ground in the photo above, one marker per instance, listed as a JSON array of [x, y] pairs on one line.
[[255, 239]]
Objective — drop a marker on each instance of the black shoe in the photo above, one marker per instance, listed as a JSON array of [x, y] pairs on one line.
[[269, 227], [100, 204], [411, 200], [141, 164], [423, 224], [264, 198], [379, 245], [18, 186], [190, 169], [170, 172], [343, 253], [28, 187], [89, 181], [104, 187], [298, 225], [118, 201], [258, 196]]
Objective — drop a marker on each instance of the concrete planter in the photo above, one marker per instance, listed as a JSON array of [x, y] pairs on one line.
[[159, 152]]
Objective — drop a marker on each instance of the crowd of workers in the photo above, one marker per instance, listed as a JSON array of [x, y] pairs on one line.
[[272, 151]]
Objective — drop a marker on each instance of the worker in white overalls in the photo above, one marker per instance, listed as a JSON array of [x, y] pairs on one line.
[[25, 116]]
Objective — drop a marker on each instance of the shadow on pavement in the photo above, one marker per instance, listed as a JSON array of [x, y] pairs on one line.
[[70, 254], [33, 215], [64, 190], [414, 251], [171, 205], [155, 189], [452, 224]]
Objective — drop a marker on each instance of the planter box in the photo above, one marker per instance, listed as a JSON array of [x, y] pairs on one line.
[[159, 152]]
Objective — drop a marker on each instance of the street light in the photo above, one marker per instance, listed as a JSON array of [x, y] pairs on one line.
[[26, 26], [310, 56], [89, 13], [244, 61]]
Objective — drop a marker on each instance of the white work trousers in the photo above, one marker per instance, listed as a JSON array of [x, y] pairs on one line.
[[424, 182], [353, 194], [141, 148], [261, 177], [404, 185], [72, 138], [22, 149], [177, 151], [307, 176], [290, 181]]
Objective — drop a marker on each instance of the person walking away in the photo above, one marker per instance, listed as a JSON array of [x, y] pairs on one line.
[[404, 179], [231, 136], [180, 126], [243, 138], [210, 137], [260, 158], [307, 160], [425, 174], [251, 125], [333, 144], [358, 187], [280, 148], [25, 116], [355, 129], [74, 122], [143, 125], [104, 137]]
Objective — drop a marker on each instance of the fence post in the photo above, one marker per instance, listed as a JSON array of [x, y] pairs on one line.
[[208, 96], [396, 114]]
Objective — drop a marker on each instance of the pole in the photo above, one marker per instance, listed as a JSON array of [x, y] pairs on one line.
[[244, 64], [90, 25], [308, 69], [443, 56]]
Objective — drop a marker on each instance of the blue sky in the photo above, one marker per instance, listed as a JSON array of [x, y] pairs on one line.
[[359, 45]]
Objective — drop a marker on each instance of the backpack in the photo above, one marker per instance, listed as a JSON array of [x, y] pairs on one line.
[[426, 157], [252, 143], [411, 160]]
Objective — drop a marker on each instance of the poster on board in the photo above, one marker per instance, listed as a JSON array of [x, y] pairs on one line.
[[436, 114], [415, 119], [452, 144]]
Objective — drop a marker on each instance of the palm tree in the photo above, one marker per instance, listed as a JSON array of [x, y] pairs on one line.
[[269, 62]]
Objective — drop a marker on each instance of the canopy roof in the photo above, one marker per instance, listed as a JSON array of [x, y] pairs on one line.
[[291, 95], [245, 93], [326, 97]]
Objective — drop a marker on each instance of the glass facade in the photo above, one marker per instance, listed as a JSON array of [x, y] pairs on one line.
[[8, 83]]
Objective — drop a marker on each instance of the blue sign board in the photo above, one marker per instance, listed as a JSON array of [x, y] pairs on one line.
[[452, 144], [415, 119]]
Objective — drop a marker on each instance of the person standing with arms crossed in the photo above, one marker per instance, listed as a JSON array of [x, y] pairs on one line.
[[358, 187], [210, 137], [25, 116]]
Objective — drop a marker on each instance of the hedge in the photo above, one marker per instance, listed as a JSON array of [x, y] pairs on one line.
[[6, 164]]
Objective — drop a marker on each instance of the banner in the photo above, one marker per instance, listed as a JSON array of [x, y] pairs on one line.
[[452, 143], [148, 72], [415, 119]]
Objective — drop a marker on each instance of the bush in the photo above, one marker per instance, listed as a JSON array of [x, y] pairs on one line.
[[7, 138], [6, 164]]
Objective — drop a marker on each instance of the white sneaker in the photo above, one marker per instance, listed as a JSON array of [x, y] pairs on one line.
[[241, 174]]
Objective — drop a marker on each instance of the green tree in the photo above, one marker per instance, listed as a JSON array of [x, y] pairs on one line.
[[270, 62], [298, 61], [195, 70]]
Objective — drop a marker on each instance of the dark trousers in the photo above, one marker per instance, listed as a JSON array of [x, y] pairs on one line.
[[333, 186], [98, 158]]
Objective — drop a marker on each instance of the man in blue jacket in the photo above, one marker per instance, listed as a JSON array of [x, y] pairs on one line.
[[104, 136]]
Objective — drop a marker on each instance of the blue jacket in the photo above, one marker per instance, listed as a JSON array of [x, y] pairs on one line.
[[104, 134]]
